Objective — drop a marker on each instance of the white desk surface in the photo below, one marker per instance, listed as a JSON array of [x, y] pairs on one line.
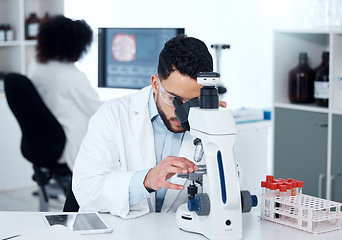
[[157, 226]]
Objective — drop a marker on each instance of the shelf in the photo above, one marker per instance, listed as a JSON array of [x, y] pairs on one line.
[[311, 31], [303, 107], [337, 112], [18, 43], [308, 107], [10, 43], [30, 42]]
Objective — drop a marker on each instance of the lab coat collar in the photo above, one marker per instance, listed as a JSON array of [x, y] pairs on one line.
[[142, 128], [139, 104]]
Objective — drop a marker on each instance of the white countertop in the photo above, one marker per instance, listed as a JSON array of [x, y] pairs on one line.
[[157, 226]]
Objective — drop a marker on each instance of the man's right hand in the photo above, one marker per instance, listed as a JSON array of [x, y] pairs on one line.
[[157, 177]]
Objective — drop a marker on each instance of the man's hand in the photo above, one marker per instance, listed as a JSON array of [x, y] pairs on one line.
[[222, 104], [169, 166]]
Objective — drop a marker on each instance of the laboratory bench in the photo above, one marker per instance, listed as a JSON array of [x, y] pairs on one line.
[[160, 226]]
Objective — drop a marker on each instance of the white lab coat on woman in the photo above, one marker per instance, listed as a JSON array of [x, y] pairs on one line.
[[120, 141], [67, 93]]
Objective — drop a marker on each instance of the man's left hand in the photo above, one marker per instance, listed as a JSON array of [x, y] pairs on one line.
[[222, 104]]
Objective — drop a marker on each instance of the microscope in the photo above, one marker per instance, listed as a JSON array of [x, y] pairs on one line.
[[215, 212]]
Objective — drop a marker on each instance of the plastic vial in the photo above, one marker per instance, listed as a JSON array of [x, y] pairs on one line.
[[263, 188], [294, 188], [268, 189], [269, 178], [267, 195], [300, 185], [273, 190], [282, 193], [289, 189], [277, 181]]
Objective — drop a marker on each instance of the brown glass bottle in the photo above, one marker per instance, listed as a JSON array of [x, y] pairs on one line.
[[321, 86], [325, 60], [301, 82], [31, 26], [2, 33]]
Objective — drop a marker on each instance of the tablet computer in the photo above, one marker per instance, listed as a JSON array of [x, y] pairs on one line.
[[83, 223]]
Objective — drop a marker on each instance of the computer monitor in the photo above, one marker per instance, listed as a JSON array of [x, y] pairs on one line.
[[128, 57]]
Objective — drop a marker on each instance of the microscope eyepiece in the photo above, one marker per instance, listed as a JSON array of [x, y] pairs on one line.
[[209, 95]]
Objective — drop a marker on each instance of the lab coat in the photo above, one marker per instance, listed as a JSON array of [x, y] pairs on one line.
[[68, 95], [120, 141]]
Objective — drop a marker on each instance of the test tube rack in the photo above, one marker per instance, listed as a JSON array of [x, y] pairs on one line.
[[304, 212]]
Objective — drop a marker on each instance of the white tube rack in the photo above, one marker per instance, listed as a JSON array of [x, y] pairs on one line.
[[304, 212]]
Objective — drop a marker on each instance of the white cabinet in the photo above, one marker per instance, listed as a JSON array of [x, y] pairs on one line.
[[308, 150], [252, 152], [15, 171], [15, 55]]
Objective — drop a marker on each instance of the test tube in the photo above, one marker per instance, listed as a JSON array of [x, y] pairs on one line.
[[273, 194], [268, 189], [269, 178], [300, 185], [289, 189], [277, 193], [267, 195], [277, 181], [294, 188], [282, 193], [273, 189], [263, 187]]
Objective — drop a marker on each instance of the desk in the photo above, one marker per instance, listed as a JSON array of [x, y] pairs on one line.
[[160, 226]]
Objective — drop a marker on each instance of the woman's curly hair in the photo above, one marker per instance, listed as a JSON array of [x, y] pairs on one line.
[[63, 39]]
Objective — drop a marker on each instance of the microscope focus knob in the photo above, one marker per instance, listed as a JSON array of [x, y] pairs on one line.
[[203, 204], [248, 201]]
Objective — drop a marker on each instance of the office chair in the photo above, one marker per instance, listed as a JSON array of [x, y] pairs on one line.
[[43, 138], [71, 204]]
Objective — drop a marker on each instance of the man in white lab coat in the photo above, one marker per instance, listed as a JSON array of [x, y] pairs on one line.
[[134, 147]]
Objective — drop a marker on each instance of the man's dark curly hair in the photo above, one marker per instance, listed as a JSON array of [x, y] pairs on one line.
[[188, 55], [63, 39]]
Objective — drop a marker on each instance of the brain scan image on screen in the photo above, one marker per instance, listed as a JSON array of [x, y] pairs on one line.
[[124, 47], [128, 57]]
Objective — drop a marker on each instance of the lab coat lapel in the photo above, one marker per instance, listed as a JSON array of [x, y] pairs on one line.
[[143, 131], [187, 151]]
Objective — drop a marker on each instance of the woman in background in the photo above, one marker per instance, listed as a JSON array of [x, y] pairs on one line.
[[65, 90]]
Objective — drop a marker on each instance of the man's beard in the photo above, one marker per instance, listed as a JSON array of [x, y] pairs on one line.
[[167, 121]]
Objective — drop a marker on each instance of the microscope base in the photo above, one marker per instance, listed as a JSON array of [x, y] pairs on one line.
[[191, 222]]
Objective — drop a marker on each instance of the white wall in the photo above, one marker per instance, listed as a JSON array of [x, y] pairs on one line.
[[245, 68], [247, 25]]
